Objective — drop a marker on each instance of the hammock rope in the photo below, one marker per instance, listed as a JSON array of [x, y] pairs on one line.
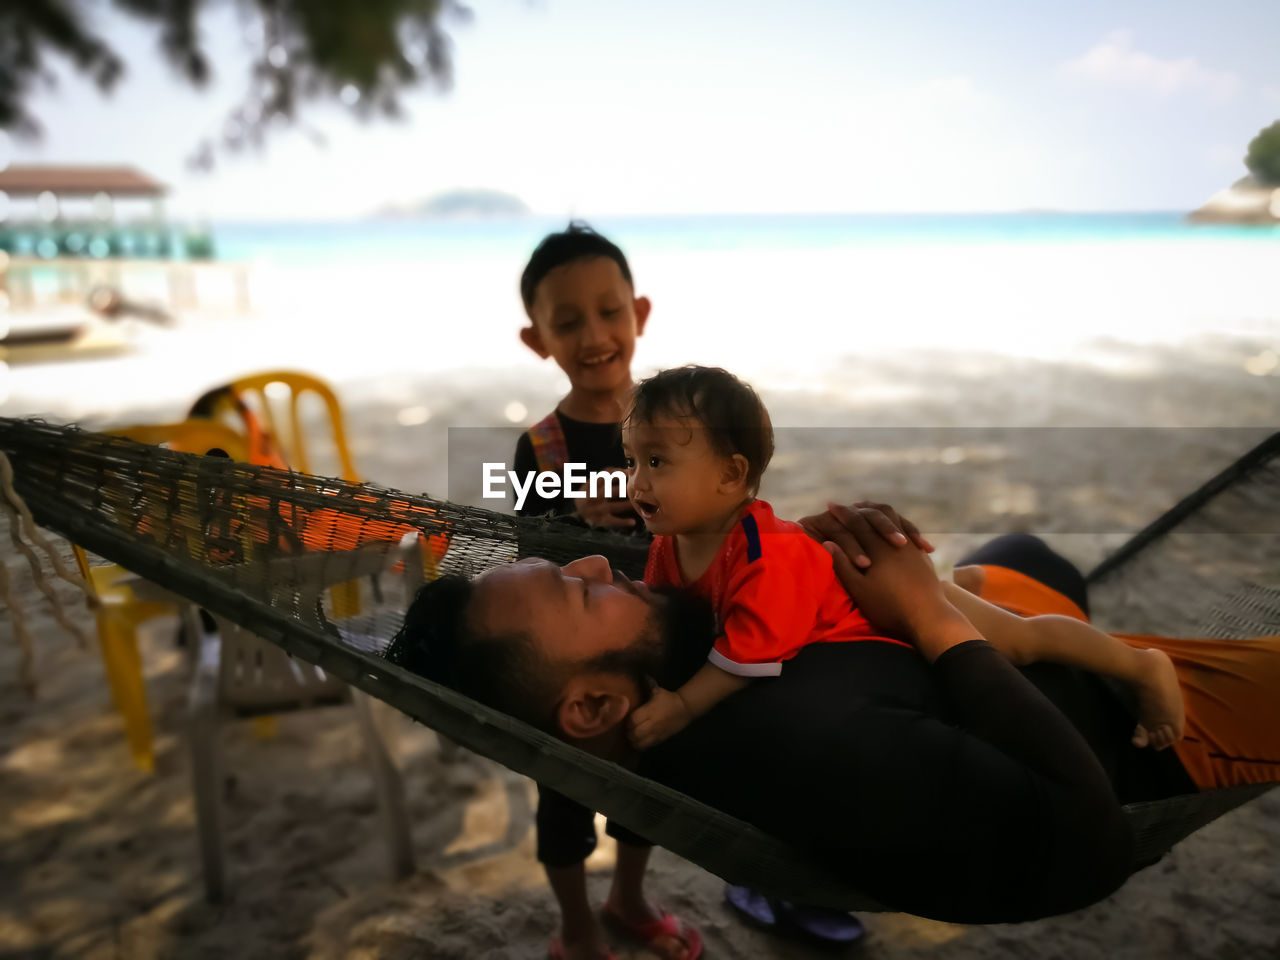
[[20, 521], [259, 546]]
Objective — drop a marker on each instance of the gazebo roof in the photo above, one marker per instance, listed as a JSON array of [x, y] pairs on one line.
[[18, 181]]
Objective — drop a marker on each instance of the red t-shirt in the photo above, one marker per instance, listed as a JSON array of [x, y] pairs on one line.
[[773, 591]]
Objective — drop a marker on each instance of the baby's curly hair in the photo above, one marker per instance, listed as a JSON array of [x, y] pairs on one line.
[[735, 419]]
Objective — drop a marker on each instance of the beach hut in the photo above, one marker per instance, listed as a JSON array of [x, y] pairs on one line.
[[70, 211], [68, 231]]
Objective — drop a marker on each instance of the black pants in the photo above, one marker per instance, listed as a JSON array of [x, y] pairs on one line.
[[567, 830]]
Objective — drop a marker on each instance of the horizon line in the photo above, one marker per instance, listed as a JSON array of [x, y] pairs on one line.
[[726, 214]]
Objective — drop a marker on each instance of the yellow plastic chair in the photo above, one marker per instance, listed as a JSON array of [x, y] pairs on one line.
[[276, 396], [267, 392], [124, 601]]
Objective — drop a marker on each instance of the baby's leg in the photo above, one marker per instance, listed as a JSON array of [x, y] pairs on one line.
[[970, 577], [1150, 672], [1066, 640], [1161, 712]]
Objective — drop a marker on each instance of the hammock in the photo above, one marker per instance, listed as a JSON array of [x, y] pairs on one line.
[[260, 546]]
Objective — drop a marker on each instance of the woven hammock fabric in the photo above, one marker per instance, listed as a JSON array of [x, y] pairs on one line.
[[259, 546], [302, 562], [1213, 559]]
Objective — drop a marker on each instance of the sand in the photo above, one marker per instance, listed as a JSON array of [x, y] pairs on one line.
[[99, 860]]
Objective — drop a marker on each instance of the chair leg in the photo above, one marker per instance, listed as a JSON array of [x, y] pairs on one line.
[[389, 787], [207, 771], [119, 641]]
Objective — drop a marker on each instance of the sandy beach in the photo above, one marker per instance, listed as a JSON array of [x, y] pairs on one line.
[[100, 861]]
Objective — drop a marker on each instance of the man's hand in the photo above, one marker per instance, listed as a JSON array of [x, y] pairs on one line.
[[604, 512], [885, 522], [665, 715], [898, 591]]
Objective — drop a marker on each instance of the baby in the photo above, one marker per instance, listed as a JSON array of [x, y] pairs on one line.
[[697, 441]]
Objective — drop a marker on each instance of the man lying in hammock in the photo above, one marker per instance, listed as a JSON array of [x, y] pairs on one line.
[[939, 780]]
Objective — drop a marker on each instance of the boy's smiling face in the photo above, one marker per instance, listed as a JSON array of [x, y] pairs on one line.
[[586, 317]]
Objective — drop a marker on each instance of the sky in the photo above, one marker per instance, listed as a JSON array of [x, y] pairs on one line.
[[598, 107]]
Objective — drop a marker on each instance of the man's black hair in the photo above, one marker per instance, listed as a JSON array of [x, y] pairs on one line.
[[509, 673], [576, 242], [504, 671]]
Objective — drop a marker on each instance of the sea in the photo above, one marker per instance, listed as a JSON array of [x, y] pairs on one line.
[[787, 301]]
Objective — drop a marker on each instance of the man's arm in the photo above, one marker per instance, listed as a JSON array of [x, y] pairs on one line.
[[1032, 744]]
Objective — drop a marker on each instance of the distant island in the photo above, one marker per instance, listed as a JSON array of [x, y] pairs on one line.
[[1247, 202], [1255, 199], [459, 205]]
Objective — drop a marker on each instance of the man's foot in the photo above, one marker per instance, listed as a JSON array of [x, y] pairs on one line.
[[970, 578], [1161, 714], [661, 933]]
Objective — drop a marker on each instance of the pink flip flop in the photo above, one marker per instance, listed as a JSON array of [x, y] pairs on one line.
[[667, 926]]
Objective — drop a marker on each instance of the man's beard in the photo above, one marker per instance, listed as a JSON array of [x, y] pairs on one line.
[[671, 648]]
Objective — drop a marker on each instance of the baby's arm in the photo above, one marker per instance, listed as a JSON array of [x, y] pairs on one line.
[[667, 713], [1060, 639]]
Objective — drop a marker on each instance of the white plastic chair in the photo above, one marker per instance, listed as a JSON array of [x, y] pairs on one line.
[[239, 675]]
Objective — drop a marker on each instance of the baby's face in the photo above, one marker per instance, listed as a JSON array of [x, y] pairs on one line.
[[675, 479]]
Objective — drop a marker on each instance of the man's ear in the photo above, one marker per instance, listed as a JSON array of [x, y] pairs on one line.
[[593, 704], [532, 338], [734, 472], [641, 308]]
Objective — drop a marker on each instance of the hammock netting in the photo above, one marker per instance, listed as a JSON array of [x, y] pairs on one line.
[[1213, 561], [317, 567]]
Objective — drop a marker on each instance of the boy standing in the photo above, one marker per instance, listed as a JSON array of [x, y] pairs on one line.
[[584, 314]]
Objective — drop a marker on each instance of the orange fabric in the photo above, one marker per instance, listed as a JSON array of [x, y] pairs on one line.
[[1232, 693], [1231, 688], [1020, 594], [262, 446], [322, 529], [333, 530]]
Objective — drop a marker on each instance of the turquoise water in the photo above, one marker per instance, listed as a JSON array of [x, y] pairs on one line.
[[775, 298], [839, 303], [312, 244]]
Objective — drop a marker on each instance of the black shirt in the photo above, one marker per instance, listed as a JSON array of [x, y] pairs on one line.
[[955, 791], [598, 445]]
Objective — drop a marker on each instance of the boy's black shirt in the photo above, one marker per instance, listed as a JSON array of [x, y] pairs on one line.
[[598, 445]]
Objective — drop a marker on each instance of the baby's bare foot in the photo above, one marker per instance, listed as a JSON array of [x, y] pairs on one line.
[[1161, 714], [970, 578]]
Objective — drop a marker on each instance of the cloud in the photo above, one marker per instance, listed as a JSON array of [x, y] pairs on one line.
[[1113, 62]]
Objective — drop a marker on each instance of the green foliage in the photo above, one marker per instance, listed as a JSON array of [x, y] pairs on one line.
[[362, 53], [1263, 158]]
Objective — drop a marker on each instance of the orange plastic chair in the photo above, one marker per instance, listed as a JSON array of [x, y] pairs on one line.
[[120, 610]]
